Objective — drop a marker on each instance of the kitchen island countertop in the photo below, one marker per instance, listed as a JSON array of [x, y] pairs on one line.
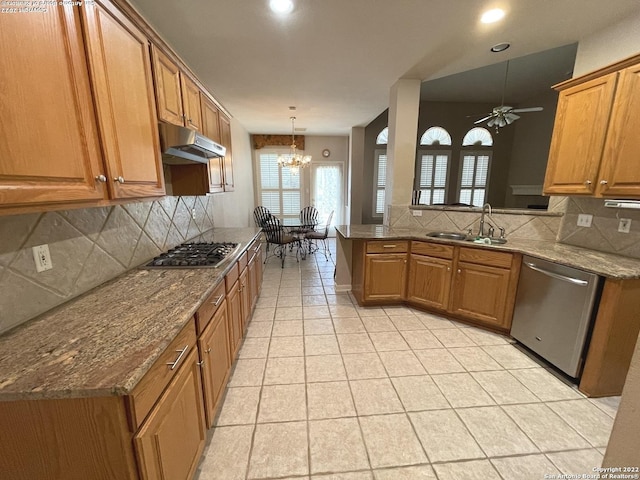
[[605, 264], [103, 342]]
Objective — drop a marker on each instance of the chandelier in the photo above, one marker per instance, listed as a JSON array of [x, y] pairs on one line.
[[293, 159]]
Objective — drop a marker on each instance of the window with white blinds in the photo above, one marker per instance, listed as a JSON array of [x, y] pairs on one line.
[[432, 176], [380, 182], [279, 189], [474, 177]]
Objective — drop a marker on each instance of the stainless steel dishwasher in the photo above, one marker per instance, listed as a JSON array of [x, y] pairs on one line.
[[554, 309]]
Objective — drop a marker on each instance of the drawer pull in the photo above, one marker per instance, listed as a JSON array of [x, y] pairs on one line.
[[389, 246], [174, 364], [208, 350], [200, 364], [218, 300]]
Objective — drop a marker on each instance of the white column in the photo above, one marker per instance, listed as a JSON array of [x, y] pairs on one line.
[[356, 172], [404, 104]]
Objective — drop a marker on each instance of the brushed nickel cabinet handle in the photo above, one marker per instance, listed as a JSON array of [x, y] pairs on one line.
[[587, 182], [200, 364], [218, 300], [174, 364], [119, 179], [208, 350], [603, 182], [459, 271], [101, 178], [389, 246]]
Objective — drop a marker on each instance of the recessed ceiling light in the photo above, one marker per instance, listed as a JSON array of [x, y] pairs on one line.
[[500, 47], [281, 6], [491, 16]]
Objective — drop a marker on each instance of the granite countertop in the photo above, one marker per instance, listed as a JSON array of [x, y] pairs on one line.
[[605, 264], [103, 342]]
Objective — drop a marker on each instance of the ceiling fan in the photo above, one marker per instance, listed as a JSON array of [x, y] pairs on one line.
[[503, 115]]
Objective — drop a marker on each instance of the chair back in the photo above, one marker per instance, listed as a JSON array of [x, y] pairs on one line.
[[273, 230], [326, 227], [309, 217], [260, 213]]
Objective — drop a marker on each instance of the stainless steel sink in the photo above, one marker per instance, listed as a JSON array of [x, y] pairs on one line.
[[447, 235], [489, 240]]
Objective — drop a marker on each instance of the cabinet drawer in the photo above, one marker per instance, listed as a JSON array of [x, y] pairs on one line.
[[149, 389], [432, 249], [485, 257], [231, 277], [243, 261], [209, 307], [392, 246]]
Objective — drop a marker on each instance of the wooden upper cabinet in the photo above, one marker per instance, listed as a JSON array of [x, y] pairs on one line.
[[191, 103], [49, 144], [168, 88], [225, 134], [620, 170], [123, 89], [578, 137], [211, 129]]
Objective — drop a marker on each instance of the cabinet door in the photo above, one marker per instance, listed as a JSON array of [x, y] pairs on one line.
[[245, 294], [211, 129], [234, 306], [578, 137], [385, 277], [191, 103], [253, 280], [49, 144], [225, 139], [168, 93], [213, 346], [170, 442], [429, 281], [621, 161], [123, 88], [481, 293]]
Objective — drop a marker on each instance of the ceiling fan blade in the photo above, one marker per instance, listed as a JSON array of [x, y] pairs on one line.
[[492, 122], [475, 115], [530, 109], [501, 122], [482, 119]]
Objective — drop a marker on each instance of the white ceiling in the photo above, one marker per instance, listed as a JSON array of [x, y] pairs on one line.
[[335, 60]]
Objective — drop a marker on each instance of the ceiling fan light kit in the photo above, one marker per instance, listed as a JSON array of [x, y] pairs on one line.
[[504, 115]]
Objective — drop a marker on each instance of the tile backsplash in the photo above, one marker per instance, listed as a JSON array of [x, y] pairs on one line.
[[603, 234], [88, 247], [529, 225]]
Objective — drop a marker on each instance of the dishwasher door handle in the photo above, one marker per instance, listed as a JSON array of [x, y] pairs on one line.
[[575, 281]]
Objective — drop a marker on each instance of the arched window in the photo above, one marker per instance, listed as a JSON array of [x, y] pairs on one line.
[[477, 136], [435, 136], [380, 169], [475, 167], [383, 137]]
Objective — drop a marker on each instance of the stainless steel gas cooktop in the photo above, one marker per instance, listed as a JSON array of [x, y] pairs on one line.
[[194, 255]]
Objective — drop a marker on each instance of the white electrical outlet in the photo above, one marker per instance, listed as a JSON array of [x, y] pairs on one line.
[[42, 257], [625, 225], [584, 220], [416, 213], [193, 213]]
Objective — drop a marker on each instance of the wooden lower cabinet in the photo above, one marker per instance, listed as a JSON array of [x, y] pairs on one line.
[[385, 277], [213, 346], [171, 441], [429, 281], [480, 292], [245, 297], [234, 314]]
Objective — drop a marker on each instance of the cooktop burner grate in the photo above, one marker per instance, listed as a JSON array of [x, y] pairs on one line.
[[190, 255]]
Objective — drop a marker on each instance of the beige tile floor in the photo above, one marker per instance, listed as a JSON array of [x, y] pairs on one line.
[[324, 389]]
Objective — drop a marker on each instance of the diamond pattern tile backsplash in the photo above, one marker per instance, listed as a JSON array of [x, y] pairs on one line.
[[88, 247]]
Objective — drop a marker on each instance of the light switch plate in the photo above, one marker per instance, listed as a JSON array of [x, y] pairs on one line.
[[584, 220], [416, 213]]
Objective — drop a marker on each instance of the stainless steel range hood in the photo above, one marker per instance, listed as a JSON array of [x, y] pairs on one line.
[[183, 146]]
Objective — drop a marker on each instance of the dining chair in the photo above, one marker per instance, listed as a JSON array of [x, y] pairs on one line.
[[260, 214], [321, 235], [277, 235]]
